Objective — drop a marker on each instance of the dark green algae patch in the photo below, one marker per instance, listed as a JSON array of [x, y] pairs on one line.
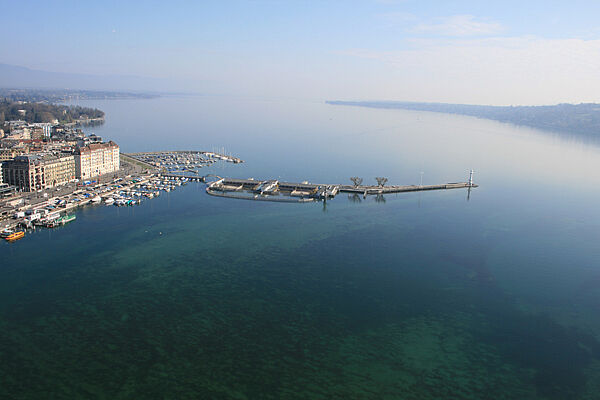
[[346, 314]]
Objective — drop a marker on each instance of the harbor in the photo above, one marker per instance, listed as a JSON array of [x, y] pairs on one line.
[[142, 176], [58, 211], [183, 161], [145, 176]]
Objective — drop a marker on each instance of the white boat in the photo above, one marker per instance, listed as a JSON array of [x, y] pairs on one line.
[[268, 187], [6, 233], [96, 199], [109, 201]]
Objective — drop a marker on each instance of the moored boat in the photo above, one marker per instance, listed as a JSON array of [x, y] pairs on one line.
[[68, 218], [61, 221], [6, 232], [15, 236], [47, 221]]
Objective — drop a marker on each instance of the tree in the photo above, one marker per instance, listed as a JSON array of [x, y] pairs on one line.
[[356, 181], [381, 181]]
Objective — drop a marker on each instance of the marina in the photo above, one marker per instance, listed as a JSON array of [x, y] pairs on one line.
[[169, 173], [184, 161], [164, 171], [131, 191], [156, 172], [56, 212]]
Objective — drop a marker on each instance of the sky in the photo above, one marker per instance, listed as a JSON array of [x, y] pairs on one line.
[[473, 52]]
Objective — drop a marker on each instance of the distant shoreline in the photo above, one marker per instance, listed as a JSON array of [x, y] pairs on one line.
[[63, 95], [576, 119]]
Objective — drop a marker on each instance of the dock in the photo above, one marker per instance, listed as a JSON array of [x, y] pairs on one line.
[[302, 191], [400, 189], [182, 158]]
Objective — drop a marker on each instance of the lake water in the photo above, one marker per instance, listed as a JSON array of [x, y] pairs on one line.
[[436, 295]]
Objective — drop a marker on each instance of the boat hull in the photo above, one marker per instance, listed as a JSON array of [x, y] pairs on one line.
[[15, 236]]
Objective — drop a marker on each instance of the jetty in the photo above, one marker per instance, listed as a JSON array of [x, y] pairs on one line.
[[275, 190], [406, 188]]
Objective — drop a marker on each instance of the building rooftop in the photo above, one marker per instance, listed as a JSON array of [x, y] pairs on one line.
[[96, 146]]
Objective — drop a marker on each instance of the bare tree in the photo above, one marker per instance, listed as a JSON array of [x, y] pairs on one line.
[[381, 181], [356, 181]]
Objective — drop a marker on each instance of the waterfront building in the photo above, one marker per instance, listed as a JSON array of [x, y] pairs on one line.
[[96, 159], [59, 169], [34, 172], [23, 172]]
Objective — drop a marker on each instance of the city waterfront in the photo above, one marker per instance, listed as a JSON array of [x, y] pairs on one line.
[[412, 295]]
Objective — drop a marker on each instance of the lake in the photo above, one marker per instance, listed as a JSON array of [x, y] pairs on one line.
[[490, 294]]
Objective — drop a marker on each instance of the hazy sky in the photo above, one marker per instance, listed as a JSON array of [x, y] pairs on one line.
[[502, 52]]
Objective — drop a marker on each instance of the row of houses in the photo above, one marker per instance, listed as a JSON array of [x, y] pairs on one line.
[[40, 171]]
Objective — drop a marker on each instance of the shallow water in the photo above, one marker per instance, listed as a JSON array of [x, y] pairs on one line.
[[415, 296]]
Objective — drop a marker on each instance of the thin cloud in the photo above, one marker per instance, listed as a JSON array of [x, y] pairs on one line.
[[458, 25]]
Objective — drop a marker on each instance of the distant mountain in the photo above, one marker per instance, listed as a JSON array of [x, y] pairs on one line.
[[12, 76], [579, 119]]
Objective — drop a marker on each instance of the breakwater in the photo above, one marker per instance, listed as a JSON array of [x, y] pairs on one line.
[[275, 190]]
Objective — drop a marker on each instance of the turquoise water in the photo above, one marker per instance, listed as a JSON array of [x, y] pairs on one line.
[[415, 296]]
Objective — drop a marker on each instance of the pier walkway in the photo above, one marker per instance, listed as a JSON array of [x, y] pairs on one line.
[[400, 189], [225, 187]]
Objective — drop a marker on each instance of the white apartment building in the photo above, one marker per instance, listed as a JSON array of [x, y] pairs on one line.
[[96, 159]]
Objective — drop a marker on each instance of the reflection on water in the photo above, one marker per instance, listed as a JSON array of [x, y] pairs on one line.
[[413, 295]]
